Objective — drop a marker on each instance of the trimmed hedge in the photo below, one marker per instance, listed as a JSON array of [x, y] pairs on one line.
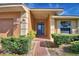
[[9, 54], [19, 45], [64, 38], [74, 47]]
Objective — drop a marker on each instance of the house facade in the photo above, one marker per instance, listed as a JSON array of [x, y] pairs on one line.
[[17, 19]]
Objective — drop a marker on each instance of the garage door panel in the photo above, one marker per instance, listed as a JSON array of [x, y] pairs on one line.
[[6, 27]]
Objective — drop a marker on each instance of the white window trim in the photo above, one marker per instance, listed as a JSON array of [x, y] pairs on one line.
[[69, 27]]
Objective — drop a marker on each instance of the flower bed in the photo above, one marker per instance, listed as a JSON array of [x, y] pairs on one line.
[[74, 47], [64, 38], [19, 45]]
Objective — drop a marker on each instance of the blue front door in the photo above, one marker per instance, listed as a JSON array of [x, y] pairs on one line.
[[40, 29]]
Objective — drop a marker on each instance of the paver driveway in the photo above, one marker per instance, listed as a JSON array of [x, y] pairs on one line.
[[38, 49]]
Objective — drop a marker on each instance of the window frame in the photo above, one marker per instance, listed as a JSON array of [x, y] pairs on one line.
[[67, 29]]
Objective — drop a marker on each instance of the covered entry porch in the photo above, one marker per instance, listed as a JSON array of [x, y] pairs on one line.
[[40, 21]]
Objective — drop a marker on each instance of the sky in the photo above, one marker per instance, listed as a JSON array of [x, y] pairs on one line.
[[69, 8]]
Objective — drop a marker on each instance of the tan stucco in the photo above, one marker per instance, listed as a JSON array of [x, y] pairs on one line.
[[8, 19], [77, 23], [9, 14], [13, 15], [36, 21], [73, 25], [41, 16]]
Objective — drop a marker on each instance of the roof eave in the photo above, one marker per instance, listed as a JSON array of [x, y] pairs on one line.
[[69, 17], [48, 9], [9, 8]]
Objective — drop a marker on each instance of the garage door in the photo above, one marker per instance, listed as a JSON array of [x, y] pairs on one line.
[[6, 27]]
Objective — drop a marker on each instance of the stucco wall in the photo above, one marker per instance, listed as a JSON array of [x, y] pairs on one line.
[[36, 21], [73, 25], [78, 26], [24, 23], [33, 25], [52, 25], [7, 17], [55, 25], [9, 14]]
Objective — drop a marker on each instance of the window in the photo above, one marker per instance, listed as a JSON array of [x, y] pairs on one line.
[[65, 27]]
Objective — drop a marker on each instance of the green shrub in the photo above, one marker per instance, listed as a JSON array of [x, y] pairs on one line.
[[32, 34], [74, 47], [8, 54], [64, 38], [19, 45]]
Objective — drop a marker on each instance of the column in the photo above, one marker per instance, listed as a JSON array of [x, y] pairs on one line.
[[52, 25], [24, 24], [58, 26], [78, 27], [73, 27]]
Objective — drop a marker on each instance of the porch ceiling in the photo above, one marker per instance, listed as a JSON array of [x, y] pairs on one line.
[[43, 13]]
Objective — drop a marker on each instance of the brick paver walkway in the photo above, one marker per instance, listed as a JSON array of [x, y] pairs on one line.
[[38, 49]]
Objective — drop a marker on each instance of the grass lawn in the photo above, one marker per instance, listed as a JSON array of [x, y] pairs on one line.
[[9, 55], [58, 52], [70, 54]]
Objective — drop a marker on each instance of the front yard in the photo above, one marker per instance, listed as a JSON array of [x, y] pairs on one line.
[[66, 45], [63, 45], [61, 51], [15, 46]]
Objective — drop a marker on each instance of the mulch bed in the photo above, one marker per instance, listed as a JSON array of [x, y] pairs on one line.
[[60, 51], [30, 52]]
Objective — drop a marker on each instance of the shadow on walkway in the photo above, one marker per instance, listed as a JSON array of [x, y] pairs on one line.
[[48, 44]]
